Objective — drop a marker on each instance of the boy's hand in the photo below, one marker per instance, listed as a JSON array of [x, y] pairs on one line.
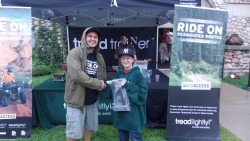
[[122, 83]]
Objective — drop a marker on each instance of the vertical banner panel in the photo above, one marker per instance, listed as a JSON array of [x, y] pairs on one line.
[[195, 73], [15, 72]]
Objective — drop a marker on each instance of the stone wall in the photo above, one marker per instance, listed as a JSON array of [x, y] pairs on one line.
[[240, 25], [237, 1], [236, 24], [236, 58]]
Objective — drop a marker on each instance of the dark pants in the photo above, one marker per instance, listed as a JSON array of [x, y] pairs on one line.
[[124, 135]]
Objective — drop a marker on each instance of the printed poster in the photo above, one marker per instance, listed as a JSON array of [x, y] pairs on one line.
[[195, 73], [15, 72], [142, 38]]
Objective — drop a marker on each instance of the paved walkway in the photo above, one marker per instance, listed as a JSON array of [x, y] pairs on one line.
[[235, 111]]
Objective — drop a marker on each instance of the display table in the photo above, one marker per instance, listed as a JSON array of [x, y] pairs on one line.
[[47, 104], [48, 100]]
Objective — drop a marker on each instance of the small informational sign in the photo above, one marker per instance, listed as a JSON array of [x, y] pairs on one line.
[[190, 2]]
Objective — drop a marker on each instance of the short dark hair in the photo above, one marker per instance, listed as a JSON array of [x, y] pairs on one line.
[[123, 37]]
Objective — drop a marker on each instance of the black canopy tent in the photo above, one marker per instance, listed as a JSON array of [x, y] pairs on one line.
[[100, 13], [104, 13]]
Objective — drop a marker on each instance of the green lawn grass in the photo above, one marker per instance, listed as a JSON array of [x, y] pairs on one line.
[[106, 132], [109, 133], [240, 83], [39, 79]]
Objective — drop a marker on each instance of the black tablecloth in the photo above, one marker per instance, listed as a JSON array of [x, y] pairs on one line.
[[48, 109], [157, 100]]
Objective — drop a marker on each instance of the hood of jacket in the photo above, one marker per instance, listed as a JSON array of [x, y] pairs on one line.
[[84, 44]]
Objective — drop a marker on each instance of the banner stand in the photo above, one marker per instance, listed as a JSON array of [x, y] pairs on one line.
[[195, 73], [16, 65]]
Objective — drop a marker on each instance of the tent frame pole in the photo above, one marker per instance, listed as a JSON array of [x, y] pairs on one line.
[[67, 27]]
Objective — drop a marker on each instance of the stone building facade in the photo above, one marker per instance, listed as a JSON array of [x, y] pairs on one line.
[[239, 18], [236, 58]]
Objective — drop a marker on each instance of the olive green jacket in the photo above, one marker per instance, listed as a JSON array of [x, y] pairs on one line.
[[77, 79]]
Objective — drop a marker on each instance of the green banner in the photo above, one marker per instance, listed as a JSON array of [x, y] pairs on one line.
[[195, 73]]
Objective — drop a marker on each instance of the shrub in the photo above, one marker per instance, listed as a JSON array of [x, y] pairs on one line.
[[41, 70]]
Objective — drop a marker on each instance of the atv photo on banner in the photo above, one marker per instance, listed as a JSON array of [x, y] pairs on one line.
[[12, 91]]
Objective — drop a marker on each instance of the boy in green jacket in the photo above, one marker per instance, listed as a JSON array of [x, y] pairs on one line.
[[130, 123]]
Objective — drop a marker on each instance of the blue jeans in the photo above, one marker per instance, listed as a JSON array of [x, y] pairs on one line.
[[124, 135]]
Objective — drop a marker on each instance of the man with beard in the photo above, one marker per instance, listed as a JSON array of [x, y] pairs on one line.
[[86, 71]]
